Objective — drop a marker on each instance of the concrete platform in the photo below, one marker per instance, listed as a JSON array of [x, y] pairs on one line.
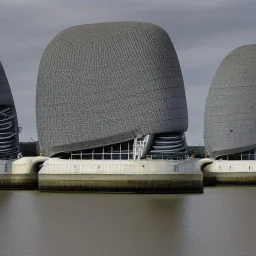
[[154, 176], [230, 172], [21, 173]]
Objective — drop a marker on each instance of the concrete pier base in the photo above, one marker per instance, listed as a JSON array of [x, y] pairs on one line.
[[20, 174], [154, 176], [230, 172], [247, 178], [18, 181]]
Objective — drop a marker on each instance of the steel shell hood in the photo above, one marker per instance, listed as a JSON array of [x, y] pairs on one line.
[[105, 83], [230, 111], [9, 138], [5, 91]]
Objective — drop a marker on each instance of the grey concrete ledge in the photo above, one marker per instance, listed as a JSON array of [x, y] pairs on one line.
[[230, 172], [122, 183], [20, 174], [18, 181], [228, 178], [153, 176]]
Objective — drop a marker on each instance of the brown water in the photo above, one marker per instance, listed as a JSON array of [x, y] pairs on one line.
[[219, 222]]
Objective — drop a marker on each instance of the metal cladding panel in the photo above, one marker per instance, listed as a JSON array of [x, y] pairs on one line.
[[230, 111], [7, 142], [5, 91], [105, 83]]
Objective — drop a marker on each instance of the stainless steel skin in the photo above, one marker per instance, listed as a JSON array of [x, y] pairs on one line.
[[230, 111], [9, 139], [105, 83]]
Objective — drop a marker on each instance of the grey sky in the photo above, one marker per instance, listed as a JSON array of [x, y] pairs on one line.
[[203, 33]]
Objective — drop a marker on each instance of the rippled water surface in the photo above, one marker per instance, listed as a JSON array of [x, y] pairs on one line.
[[219, 222]]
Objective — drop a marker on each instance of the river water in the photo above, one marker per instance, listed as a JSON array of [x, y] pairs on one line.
[[219, 222]]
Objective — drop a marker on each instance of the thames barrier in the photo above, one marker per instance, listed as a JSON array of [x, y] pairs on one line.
[[123, 126]]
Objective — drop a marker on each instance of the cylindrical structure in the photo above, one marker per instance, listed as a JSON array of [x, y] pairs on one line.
[[105, 83], [9, 131], [230, 111]]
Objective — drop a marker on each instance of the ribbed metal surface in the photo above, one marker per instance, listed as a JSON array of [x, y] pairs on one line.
[[230, 111], [105, 83], [168, 145], [9, 141]]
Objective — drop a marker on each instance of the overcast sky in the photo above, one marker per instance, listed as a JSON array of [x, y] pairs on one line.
[[203, 33]]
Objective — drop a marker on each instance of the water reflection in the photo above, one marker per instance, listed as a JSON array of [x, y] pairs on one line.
[[218, 222]]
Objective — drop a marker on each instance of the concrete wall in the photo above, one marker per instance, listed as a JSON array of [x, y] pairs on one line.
[[121, 175], [20, 174], [231, 166], [5, 166], [230, 172]]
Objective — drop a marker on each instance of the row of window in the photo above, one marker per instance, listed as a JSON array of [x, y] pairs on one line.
[[247, 155]]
